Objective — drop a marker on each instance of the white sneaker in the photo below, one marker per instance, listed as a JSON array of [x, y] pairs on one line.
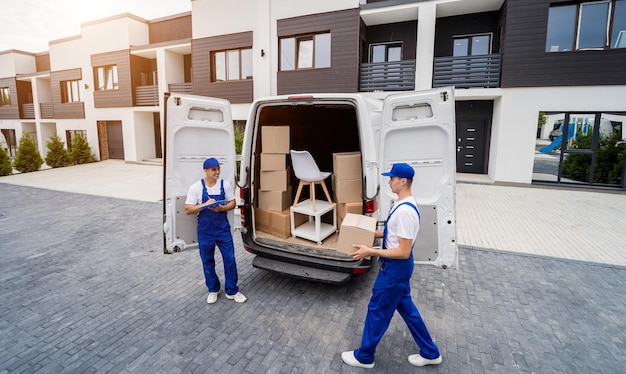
[[212, 298], [238, 297], [418, 360], [349, 359]]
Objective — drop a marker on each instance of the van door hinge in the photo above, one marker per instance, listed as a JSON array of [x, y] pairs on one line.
[[371, 164]]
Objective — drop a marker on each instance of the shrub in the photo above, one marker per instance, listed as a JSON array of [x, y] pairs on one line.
[[609, 161], [57, 155], [81, 150], [5, 162], [27, 157]]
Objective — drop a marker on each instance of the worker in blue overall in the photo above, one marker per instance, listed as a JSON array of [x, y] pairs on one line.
[[392, 288], [214, 229]]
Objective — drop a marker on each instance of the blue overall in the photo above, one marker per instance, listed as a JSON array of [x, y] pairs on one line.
[[213, 228], [391, 292]]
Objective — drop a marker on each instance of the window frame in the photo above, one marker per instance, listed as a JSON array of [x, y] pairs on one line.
[[70, 91], [5, 96], [227, 73], [607, 31], [388, 46], [470, 39], [297, 55], [108, 71]]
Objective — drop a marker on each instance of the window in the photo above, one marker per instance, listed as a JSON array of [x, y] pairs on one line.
[[387, 52], [106, 78], [232, 65], [305, 52], [5, 96], [69, 92], [472, 45], [587, 25]]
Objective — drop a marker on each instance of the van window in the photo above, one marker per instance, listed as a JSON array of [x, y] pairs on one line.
[[411, 112]]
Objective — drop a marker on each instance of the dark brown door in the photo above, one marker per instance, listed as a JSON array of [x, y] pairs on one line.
[[471, 146], [111, 140]]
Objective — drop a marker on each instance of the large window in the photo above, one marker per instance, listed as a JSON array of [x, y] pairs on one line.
[[587, 25], [232, 65], [472, 45], [5, 96], [106, 78], [69, 92], [305, 52]]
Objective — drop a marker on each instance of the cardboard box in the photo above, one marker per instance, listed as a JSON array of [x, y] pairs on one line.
[[273, 161], [275, 180], [277, 223], [344, 208], [347, 165], [274, 200], [275, 139], [356, 229], [347, 190]]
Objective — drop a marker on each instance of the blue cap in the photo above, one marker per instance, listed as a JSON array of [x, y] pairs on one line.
[[211, 163], [401, 170]]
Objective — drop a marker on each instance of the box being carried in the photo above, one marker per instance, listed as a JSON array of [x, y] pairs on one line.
[[356, 229]]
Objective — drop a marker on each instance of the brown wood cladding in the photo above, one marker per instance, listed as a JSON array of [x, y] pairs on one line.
[[170, 29], [65, 110], [10, 111], [236, 92], [343, 75], [122, 97], [42, 62], [526, 64]]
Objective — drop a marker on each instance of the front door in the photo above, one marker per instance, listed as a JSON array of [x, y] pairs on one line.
[[418, 129], [471, 145], [111, 140]]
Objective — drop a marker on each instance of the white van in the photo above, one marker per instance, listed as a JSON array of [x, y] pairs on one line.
[[413, 127]]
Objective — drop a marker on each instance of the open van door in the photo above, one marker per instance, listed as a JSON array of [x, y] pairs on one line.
[[196, 128], [418, 128]]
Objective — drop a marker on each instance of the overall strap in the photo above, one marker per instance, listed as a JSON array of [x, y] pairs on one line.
[[392, 212]]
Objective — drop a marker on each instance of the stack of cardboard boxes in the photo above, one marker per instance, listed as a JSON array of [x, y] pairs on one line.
[[274, 194], [347, 184]]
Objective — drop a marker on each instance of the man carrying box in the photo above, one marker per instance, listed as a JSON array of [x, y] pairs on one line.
[[392, 289]]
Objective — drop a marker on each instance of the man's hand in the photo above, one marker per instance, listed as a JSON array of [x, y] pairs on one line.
[[361, 251]]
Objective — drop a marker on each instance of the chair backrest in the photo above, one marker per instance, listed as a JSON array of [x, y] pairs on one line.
[[305, 167]]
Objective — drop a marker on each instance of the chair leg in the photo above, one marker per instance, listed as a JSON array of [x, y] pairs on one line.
[[295, 201], [312, 188], [326, 192]]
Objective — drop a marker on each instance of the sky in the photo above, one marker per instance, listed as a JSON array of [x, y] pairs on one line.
[[28, 25]]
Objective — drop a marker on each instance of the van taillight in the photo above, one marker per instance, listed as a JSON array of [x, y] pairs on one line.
[[371, 206], [242, 210]]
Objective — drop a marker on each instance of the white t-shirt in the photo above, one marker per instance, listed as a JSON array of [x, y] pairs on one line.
[[404, 223], [194, 195]]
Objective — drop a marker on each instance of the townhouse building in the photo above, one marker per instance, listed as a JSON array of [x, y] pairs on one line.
[[509, 60]]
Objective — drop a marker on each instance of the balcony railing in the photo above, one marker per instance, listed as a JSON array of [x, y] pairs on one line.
[[28, 111], [467, 71], [184, 88], [147, 95], [388, 76], [46, 110]]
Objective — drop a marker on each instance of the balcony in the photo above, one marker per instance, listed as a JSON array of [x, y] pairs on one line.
[[184, 88], [46, 110], [147, 95], [467, 71], [28, 111], [387, 76]]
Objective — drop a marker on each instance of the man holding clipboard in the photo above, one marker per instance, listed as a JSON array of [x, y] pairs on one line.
[[210, 198]]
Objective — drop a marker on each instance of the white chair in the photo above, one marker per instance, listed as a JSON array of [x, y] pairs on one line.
[[306, 169]]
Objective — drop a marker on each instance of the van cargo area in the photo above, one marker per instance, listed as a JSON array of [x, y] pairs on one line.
[[322, 129]]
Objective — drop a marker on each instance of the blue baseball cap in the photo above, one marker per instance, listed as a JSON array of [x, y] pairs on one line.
[[211, 163], [401, 170]]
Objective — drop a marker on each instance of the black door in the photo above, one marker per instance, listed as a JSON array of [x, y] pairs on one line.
[[471, 145]]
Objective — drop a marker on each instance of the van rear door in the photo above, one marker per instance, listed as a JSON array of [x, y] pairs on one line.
[[418, 128], [196, 128]]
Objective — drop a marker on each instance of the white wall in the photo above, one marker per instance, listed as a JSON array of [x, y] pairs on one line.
[[144, 133], [14, 63]]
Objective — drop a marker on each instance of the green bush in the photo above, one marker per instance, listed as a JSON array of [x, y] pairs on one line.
[[609, 161], [57, 155], [5, 162], [81, 150], [27, 157]]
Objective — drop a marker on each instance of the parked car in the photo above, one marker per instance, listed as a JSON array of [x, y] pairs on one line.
[[557, 130]]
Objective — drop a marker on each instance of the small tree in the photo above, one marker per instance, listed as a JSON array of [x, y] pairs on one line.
[[5, 162], [81, 150], [57, 155], [27, 157]]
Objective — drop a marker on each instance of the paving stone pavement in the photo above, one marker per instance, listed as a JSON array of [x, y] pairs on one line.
[[85, 288]]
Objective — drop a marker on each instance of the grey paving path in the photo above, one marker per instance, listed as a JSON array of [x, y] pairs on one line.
[[85, 288]]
